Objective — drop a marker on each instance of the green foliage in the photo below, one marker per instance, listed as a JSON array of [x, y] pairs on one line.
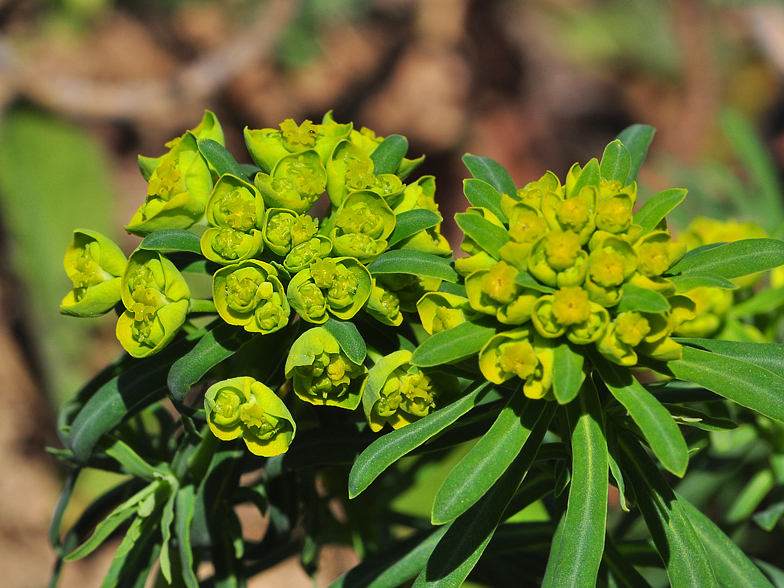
[[533, 372]]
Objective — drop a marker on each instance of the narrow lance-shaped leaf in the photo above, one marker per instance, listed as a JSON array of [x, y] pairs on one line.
[[657, 208], [464, 340], [728, 561], [733, 260], [636, 139], [568, 378], [769, 356], [221, 160], [625, 574], [616, 162], [59, 511], [488, 459], [589, 176], [219, 343], [131, 462], [388, 156], [463, 544], [582, 542], [388, 449], [183, 516], [656, 424], [172, 239], [692, 281], [411, 222], [490, 171], [166, 531], [349, 339], [487, 235], [417, 263], [642, 300], [481, 194], [761, 303], [745, 383], [676, 541]]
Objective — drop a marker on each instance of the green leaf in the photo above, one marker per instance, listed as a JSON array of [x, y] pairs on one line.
[[568, 378], [692, 417], [59, 510], [657, 208], [616, 162], [675, 539], [131, 462], [417, 263], [219, 343], [757, 160], [389, 448], [464, 340], [490, 171], [173, 240], [220, 159], [488, 236], [249, 170], [183, 509], [482, 195], [769, 518], [166, 523], [753, 493], [692, 281], [769, 356], [730, 564], [395, 566], [582, 540], [349, 339], [656, 424], [589, 176], [466, 539], [763, 302], [747, 384], [486, 462], [528, 281], [642, 300], [135, 556], [636, 139], [389, 154], [118, 516], [625, 574], [411, 222], [734, 260]]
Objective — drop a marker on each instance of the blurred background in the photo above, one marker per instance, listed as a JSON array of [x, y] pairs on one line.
[[86, 85]]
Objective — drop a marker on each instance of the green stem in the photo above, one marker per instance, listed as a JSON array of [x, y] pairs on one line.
[[202, 306]]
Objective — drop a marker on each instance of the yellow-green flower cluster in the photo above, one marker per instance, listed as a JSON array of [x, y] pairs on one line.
[[564, 262]]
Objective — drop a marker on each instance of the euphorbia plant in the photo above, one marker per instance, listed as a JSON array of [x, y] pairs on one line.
[[334, 347]]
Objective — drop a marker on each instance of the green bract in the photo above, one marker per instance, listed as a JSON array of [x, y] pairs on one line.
[[399, 394], [268, 146], [296, 182], [522, 353], [362, 224], [285, 229], [235, 212], [243, 407], [440, 311], [384, 305], [322, 373], [250, 295], [301, 255], [340, 285], [94, 264], [177, 192], [156, 300]]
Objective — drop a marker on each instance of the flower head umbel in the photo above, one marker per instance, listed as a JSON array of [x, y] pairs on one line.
[[399, 394], [323, 373], [156, 300], [249, 294], [243, 407], [94, 264]]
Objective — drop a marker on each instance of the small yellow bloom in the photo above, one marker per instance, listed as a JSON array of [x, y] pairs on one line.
[[571, 306]]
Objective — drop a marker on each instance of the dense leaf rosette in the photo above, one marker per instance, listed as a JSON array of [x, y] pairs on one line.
[[94, 264], [323, 373], [156, 300], [243, 407], [249, 294]]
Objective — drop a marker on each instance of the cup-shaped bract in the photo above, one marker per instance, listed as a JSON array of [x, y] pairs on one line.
[[526, 227], [576, 214], [609, 266], [558, 260], [177, 191], [277, 230], [522, 353], [399, 394], [296, 182], [244, 407], [300, 256], [570, 312], [94, 264], [322, 373], [156, 298], [362, 224], [711, 307], [349, 169], [249, 294], [656, 253], [614, 209], [495, 291], [341, 285], [478, 257], [384, 305], [441, 311], [533, 193], [268, 146]]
